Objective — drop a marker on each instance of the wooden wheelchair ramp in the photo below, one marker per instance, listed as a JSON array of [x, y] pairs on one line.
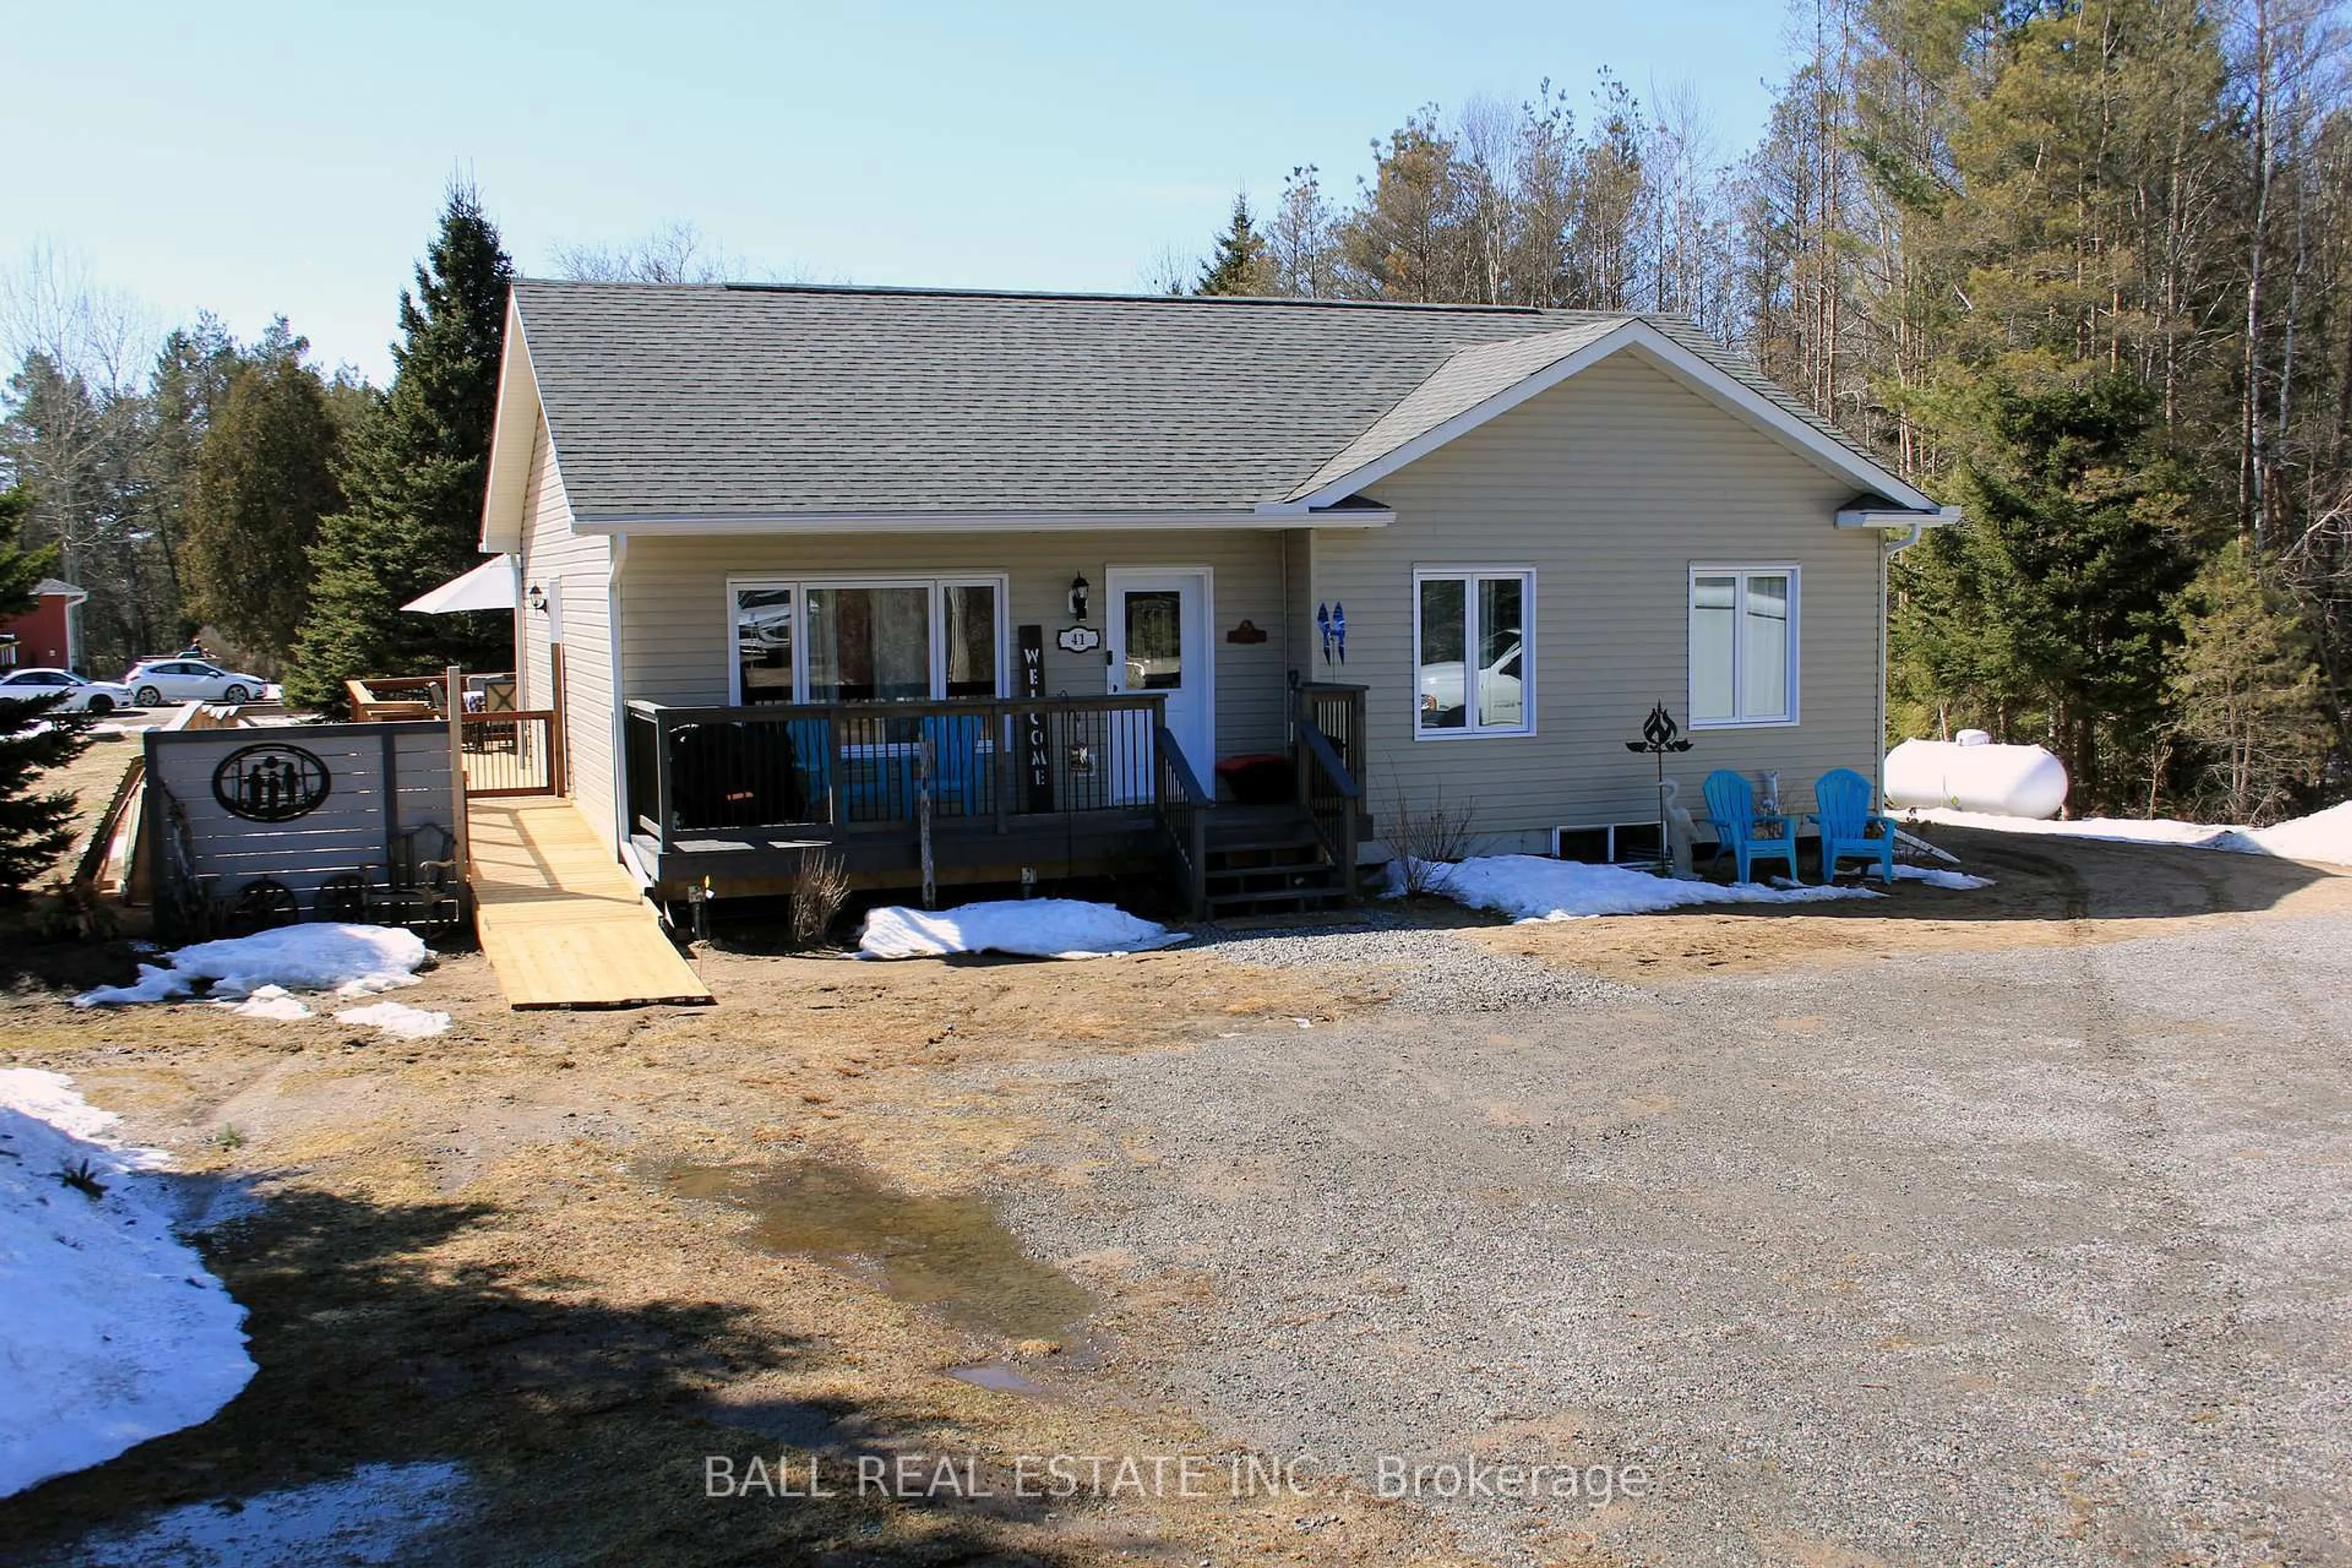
[[560, 922]]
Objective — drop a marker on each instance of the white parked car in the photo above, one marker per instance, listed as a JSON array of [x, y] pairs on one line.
[[84, 696], [155, 681], [1502, 700]]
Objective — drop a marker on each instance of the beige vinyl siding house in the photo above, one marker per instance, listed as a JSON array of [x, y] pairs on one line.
[[574, 572], [1610, 486], [795, 540]]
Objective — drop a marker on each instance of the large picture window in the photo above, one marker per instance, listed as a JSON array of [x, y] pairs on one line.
[[899, 640], [1474, 641], [1743, 645]]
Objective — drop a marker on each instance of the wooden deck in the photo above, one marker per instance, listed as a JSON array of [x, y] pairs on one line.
[[562, 923]]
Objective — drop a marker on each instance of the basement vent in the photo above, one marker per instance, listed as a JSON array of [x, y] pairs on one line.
[[1606, 843]]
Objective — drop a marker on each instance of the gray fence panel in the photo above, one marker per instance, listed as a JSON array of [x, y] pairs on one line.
[[383, 780]]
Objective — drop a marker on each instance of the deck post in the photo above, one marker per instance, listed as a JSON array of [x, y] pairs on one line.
[[662, 777], [1004, 729], [454, 691], [1302, 712], [559, 733]]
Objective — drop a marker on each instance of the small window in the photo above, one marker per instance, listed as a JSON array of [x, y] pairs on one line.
[[1743, 645], [763, 645], [1474, 631], [869, 645], [967, 611]]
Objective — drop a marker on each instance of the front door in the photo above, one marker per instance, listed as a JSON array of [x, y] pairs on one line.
[[1160, 641]]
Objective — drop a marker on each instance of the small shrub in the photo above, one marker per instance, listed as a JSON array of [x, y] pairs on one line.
[[819, 892], [82, 1177], [226, 1138], [1427, 837], [72, 912]]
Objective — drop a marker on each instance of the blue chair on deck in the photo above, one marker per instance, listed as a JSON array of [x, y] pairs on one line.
[[1731, 808], [812, 757], [1842, 799], [957, 773]]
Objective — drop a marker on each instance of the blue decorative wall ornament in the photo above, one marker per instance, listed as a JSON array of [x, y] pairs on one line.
[[1323, 628], [1339, 629]]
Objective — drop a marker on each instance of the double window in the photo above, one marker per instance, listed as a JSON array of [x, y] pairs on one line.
[[1473, 642], [1743, 645], [898, 639]]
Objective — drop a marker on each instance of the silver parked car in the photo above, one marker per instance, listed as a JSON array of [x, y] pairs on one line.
[[85, 696], [155, 681]]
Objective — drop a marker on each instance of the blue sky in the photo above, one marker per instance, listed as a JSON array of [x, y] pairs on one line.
[[253, 158]]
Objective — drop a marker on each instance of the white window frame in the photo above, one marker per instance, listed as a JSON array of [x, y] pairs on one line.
[[936, 586], [1471, 728], [1742, 570]]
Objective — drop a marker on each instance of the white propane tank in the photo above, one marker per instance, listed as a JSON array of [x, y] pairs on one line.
[[1971, 774]]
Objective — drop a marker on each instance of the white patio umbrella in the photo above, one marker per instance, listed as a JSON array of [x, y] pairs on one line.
[[489, 587]]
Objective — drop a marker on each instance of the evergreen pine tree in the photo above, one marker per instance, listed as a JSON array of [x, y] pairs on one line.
[[191, 377], [1239, 264], [265, 477], [413, 483], [2049, 615], [33, 736], [2247, 693]]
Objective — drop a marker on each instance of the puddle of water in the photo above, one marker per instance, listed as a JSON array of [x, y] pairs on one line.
[[949, 1254], [1003, 1379]]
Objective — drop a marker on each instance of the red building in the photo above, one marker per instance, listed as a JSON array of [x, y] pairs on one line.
[[49, 634]]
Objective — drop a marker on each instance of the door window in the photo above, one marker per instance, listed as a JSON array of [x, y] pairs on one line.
[[1155, 640]]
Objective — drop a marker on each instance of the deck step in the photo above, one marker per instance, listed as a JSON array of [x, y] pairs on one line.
[[1240, 909]]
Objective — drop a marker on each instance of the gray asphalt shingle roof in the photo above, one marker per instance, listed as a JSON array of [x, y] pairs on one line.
[[710, 400]]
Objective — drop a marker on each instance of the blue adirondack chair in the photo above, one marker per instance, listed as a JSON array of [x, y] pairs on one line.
[[1842, 800], [958, 775], [813, 756], [1731, 808]]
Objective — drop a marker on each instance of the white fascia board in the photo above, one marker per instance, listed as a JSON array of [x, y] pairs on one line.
[[513, 430], [1723, 390], [1884, 517], [653, 525]]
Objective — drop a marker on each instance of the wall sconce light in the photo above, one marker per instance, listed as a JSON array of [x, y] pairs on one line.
[[536, 597], [1079, 588]]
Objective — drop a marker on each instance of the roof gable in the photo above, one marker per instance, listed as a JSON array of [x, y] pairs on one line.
[[1479, 384]]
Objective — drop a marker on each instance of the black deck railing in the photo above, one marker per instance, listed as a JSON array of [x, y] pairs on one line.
[[1184, 808], [863, 768], [1327, 750]]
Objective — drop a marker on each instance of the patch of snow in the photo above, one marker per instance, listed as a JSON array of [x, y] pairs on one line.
[[1534, 887], [397, 1018], [268, 1002], [2117, 830], [111, 1330], [1935, 876], [1038, 928], [2325, 835], [348, 960], [378, 1513]]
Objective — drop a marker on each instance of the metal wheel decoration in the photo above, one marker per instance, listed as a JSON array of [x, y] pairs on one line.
[[270, 783], [260, 904], [343, 898]]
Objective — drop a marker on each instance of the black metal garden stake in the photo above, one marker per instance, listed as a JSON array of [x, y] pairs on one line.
[[1660, 735]]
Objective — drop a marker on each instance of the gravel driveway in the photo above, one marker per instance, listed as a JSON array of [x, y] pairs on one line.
[[2040, 1254]]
